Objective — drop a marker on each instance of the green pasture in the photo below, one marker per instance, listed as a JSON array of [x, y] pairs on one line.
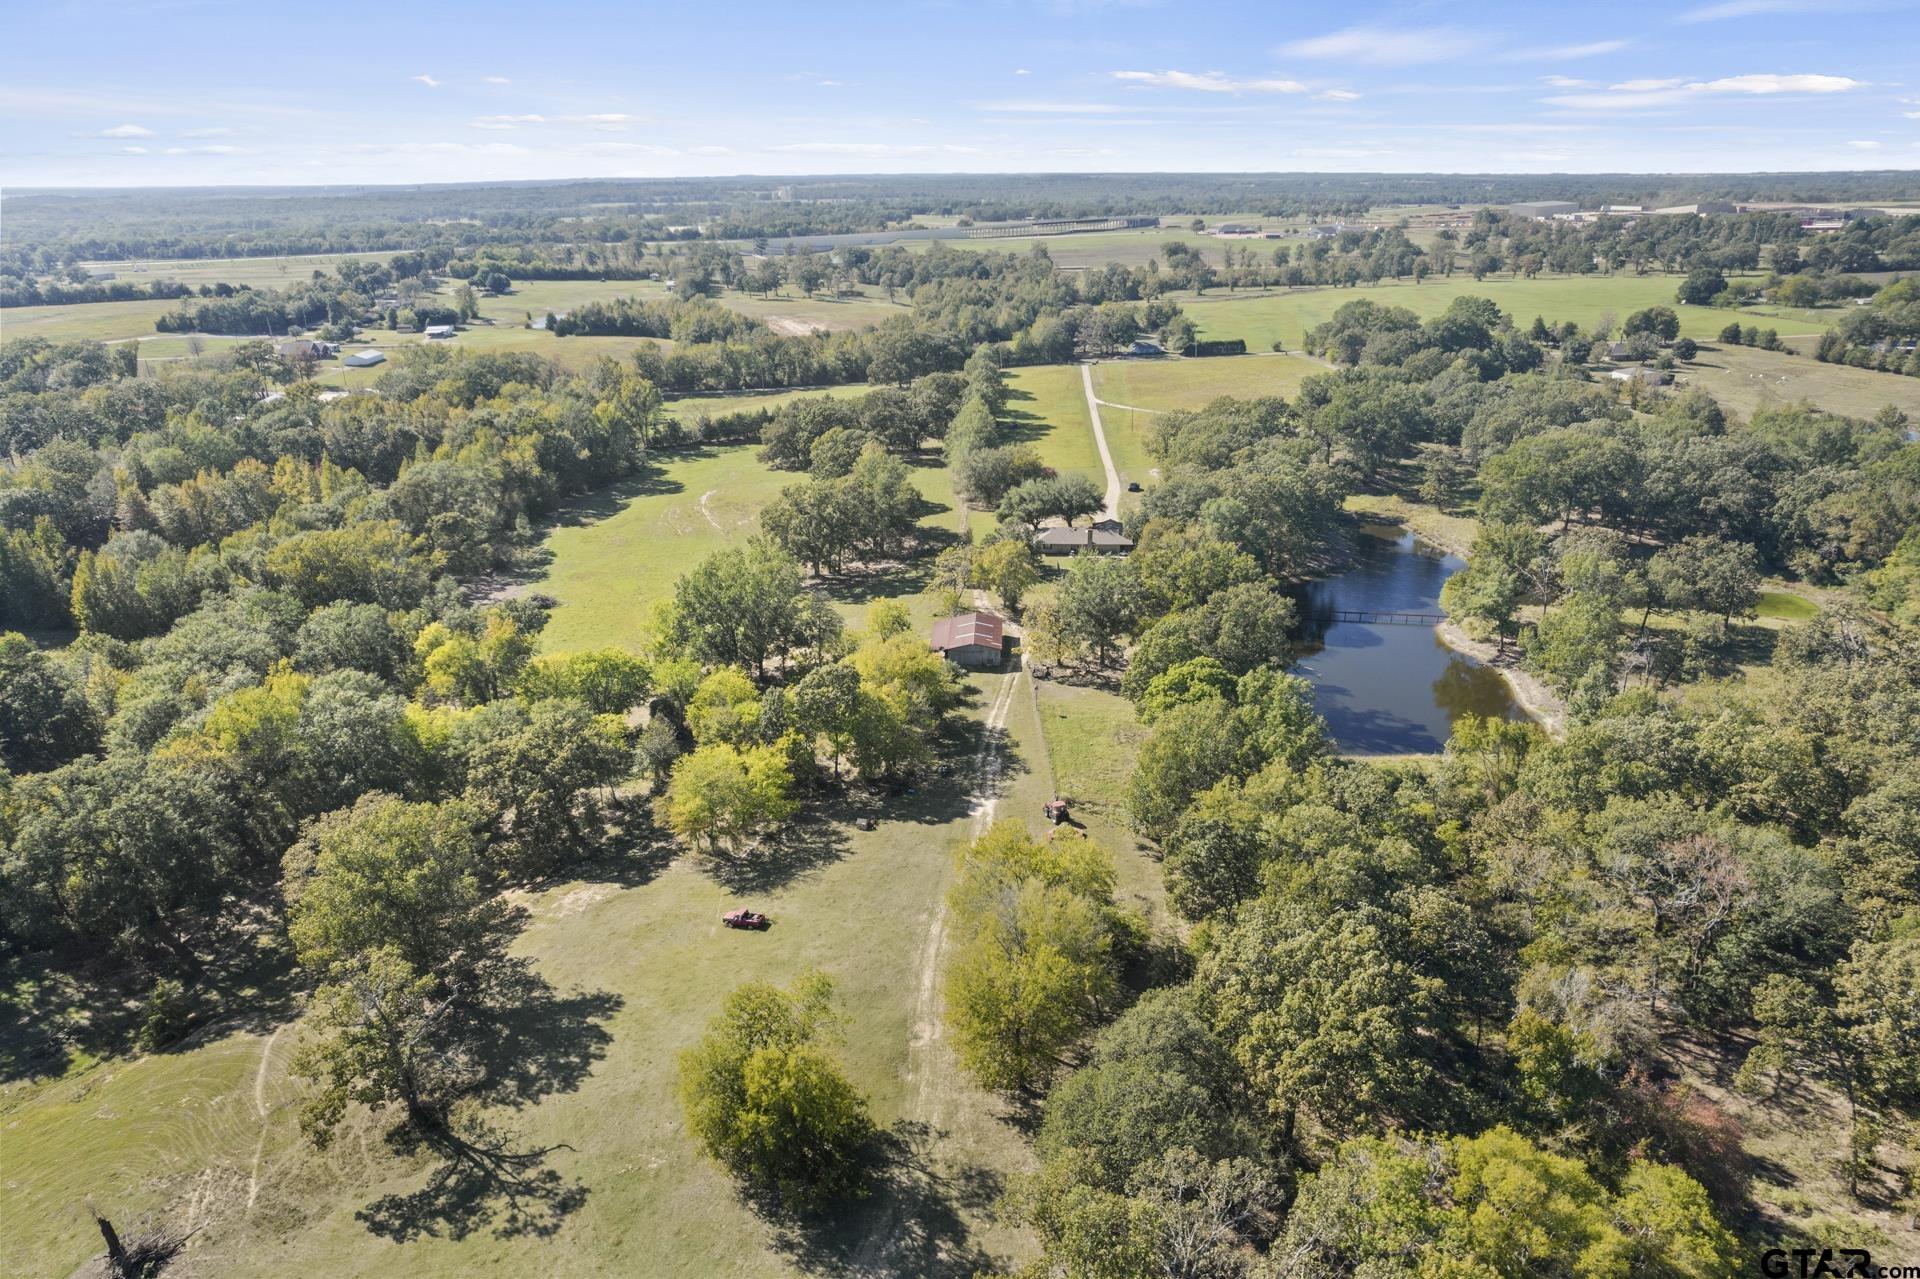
[[1047, 408], [1745, 378], [1266, 316]]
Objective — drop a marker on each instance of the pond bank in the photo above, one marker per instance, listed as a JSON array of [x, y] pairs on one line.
[[1542, 705]]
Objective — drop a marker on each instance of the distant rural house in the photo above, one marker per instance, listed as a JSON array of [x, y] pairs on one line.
[[1617, 351], [1235, 228], [1644, 376], [1144, 347], [303, 349], [971, 639], [365, 359], [439, 331], [1103, 537]]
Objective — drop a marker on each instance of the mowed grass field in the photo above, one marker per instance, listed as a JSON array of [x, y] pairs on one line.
[[261, 273], [1264, 317], [1133, 392], [1745, 378], [639, 962], [1047, 408]]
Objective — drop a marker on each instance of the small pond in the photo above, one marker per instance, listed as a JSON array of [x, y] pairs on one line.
[[1387, 688]]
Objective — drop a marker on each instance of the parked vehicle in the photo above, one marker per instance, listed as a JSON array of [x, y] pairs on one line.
[[744, 918]]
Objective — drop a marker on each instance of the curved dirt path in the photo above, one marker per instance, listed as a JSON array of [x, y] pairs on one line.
[[1112, 511], [260, 1109]]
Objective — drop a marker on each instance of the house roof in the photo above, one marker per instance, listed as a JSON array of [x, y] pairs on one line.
[[1101, 534], [967, 629]]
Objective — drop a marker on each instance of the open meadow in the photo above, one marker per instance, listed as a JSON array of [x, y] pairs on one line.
[[1266, 316], [639, 962], [1745, 378]]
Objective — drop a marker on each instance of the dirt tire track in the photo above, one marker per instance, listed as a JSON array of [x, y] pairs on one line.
[[928, 1056]]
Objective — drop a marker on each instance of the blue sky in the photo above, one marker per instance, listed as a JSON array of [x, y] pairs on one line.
[[173, 92]]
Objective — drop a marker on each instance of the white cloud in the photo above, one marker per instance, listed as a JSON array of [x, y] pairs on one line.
[[710, 150], [133, 150], [1564, 52], [1029, 107], [504, 121], [494, 79], [1567, 82], [126, 131], [1338, 95], [1865, 145], [428, 80], [1781, 84], [1021, 71], [1752, 8], [1911, 115], [1630, 95], [1208, 82], [1378, 47]]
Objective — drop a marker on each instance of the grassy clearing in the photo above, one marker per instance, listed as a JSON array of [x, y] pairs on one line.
[[1195, 383], [262, 273], [617, 551], [1092, 739], [94, 321], [1784, 606], [1047, 408], [1744, 378], [1266, 317], [692, 406], [641, 962]]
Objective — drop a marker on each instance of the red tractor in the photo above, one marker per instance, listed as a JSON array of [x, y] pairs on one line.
[[744, 918], [1056, 810]]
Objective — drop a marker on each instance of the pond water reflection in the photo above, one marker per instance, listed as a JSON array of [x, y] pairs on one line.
[[1389, 689]]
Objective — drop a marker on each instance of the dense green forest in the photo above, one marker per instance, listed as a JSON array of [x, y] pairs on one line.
[[47, 228]]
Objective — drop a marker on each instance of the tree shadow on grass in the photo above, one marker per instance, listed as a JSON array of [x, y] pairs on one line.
[[58, 1004], [534, 1042], [480, 1182], [807, 846], [913, 1222]]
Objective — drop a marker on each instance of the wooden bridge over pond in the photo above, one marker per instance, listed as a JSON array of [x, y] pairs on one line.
[[1368, 618]]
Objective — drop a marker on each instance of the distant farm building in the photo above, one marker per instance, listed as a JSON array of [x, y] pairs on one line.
[[1144, 347], [1644, 376], [1538, 209], [1236, 228], [1701, 208], [365, 359], [971, 639], [1103, 537], [1622, 209], [439, 330], [303, 349]]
